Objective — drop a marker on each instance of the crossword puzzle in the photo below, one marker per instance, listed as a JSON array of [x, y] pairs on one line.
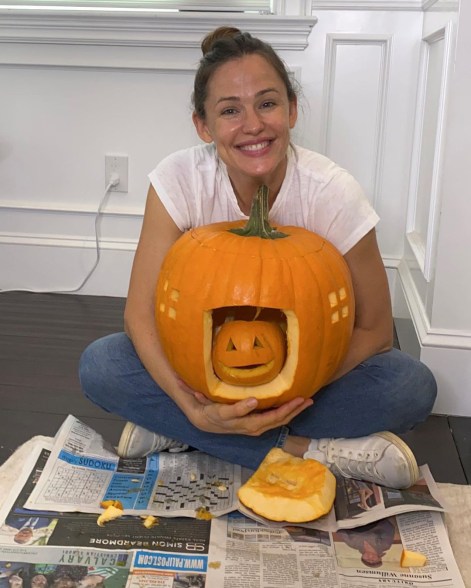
[[192, 493]]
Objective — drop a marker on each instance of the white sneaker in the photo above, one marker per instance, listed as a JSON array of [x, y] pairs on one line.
[[382, 458], [136, 441]]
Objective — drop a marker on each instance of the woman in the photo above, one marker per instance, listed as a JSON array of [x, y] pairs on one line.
[[244, 109]]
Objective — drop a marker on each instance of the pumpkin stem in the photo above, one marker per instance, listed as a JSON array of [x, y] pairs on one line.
[[258, 225]]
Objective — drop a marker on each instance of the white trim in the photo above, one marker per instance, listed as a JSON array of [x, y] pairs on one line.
[[366, 5], [262, 6], [440, 5], [391, 262], [428, 335], [133, 28], [424, 252], [26, 206], [332, 41], [67, 242], [49, 61], [387, 5]]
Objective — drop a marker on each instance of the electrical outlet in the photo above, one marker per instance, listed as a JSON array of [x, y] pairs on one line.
[[117, 164]]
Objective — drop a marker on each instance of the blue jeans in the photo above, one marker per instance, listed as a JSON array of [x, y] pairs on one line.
[[388, 392]]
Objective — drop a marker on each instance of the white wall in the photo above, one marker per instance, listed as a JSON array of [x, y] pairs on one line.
[[435, 272], [76, 88]]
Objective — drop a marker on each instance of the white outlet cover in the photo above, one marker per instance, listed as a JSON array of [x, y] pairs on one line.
[[115, 163]]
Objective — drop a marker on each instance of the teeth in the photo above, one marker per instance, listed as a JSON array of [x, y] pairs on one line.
[[255, 147]]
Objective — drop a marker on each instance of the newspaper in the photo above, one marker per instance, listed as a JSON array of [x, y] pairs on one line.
[[66, 549], [84, 470], [257, 556]]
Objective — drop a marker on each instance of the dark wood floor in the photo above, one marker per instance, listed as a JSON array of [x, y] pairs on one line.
[[42, 337]]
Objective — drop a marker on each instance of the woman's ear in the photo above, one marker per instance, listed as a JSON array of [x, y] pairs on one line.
[[293, 112], [202, 128]]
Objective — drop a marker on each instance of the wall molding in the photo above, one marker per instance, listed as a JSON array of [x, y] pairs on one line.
[[387, 5], [66, 226], [424, 250], [67, 242], [148, 29], [428, 336], [384, 42], [26, 206]]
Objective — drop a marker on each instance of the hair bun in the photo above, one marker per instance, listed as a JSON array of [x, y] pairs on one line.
[[219, 33]]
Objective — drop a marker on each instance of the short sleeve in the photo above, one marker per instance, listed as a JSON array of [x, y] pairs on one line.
[[172, 183], [343, 214]]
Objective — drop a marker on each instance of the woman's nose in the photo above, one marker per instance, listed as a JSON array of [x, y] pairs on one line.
[[253, 122]]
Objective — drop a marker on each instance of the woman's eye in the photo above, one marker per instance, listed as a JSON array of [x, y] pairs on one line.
[[268, 104], [228, 112]]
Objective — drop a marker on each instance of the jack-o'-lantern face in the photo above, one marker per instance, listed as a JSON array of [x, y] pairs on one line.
[[248, 353]]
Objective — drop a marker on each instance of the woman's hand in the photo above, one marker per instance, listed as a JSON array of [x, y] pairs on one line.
[[241, 418]]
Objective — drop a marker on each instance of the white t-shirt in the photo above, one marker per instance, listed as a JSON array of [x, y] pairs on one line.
[[317, 194]]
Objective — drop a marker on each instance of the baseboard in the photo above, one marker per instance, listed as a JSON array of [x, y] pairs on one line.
[[446, 352]]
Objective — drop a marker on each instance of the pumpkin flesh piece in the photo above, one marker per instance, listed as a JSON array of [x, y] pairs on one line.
[[412, 559], [288, 488]]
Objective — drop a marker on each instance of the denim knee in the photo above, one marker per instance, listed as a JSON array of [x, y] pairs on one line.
[[90, 371], [425, 393], [416, 391]]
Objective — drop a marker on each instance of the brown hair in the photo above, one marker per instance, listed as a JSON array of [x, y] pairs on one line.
[[227, 43]]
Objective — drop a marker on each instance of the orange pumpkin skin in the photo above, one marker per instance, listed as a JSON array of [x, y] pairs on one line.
[[301, 275]]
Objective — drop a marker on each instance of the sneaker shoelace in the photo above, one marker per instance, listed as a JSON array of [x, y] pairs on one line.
[[359, 465], [162, 443]]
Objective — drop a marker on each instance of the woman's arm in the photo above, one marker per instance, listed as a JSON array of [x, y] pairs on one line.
[[158, 234], [373, 327]]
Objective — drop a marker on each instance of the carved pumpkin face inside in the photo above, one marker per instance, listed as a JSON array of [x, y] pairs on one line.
[[248, 353]]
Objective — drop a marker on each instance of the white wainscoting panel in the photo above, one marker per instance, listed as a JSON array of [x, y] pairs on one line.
[[356, 78], [424, 196]]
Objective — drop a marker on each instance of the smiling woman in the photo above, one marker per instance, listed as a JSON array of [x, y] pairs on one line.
[[244, 110]]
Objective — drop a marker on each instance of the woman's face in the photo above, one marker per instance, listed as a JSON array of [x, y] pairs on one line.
[[249, 117]]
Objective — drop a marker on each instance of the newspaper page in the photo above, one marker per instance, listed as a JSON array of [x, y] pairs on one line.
[[257, 556], [48, 549], [84, 470]]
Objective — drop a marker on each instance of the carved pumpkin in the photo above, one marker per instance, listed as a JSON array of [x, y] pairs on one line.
[[248, 353], [226, 273], [288, 488]]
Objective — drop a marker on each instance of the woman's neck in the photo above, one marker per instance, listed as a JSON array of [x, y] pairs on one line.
[[245, 199], [246, 187]]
